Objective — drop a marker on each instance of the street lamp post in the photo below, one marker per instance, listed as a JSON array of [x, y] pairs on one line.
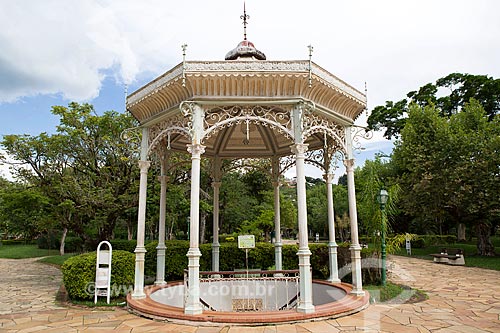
[[382, 198]]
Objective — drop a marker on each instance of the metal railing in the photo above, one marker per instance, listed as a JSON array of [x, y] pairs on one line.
[[254, 290]]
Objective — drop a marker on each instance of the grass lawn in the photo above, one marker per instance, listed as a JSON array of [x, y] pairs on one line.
[[24, 251], [32, 251], [470, 249], [57, 259], [394, 293]]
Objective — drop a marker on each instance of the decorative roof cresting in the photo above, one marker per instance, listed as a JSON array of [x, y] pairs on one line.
[[245, 50]]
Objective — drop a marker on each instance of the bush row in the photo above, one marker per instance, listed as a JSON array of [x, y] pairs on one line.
[[16, 242], [79, 271], [261, 257], [52, 242], [422, 240], [428, 240]]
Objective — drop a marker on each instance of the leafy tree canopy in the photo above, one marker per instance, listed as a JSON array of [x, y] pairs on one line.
[[449, 94]]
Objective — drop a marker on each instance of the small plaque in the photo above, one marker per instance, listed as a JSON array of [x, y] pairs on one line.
[[246, 241], [244, 304]]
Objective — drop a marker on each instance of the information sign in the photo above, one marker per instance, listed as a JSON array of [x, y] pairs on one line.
[[246, 241]]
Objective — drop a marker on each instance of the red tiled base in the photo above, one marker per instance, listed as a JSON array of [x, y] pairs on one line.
[[349, 304]]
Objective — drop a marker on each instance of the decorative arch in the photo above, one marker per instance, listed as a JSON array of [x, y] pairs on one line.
[[163, 129], [275, 117]]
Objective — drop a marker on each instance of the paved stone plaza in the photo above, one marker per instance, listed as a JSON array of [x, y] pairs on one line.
[[461, 299]]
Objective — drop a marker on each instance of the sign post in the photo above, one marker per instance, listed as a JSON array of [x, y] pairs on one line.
[[103, 271], [408, 245], [246, 242]]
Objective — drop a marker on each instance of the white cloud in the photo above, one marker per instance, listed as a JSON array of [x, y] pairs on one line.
[[68, 47], [4, 167]]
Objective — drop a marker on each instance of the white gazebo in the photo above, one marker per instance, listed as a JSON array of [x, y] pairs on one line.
[[246, 107]]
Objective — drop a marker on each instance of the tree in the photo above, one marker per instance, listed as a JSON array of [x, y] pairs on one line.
[[461, 87], [317, 210], [237, 203], [370, 179], [448, 170], [21, 210], [88, 173]]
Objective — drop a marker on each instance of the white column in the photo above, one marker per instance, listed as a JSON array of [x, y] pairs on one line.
[[278, 262], [160, 249], [140, 250], [215, 240], [332, 245], [305, 301], [353, 216], [193, 305]]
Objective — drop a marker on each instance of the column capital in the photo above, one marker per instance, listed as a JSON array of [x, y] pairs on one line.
[[196, 149], [349, 164], [299, 149], [328, 177], [144, 165], [216, 184]]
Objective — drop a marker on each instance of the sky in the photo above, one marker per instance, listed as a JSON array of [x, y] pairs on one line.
[[53, 52]]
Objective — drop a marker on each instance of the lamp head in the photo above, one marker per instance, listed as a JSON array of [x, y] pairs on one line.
[[382, 197]]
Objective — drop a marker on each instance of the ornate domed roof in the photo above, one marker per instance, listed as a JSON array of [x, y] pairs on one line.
[[245, 49]]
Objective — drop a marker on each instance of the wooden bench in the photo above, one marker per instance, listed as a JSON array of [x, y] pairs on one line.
[[450, 257]]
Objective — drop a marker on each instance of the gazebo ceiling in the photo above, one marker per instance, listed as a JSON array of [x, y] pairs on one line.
[[232, 142]]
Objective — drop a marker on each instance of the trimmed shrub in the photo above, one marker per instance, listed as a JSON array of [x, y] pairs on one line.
[[429, 240], [123, 244], [450, 239], [79, 274], [418, 243], [175, 259], [289, 256], [17, 242], [73, 244]]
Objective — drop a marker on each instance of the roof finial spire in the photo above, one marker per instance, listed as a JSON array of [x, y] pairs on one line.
[[244, 17]]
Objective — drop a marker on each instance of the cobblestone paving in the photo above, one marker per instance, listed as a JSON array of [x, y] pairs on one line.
[[461, 299], [27, 286]]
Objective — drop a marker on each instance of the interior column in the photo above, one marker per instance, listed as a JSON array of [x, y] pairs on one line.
[[278, 262], [332, 245], [160, 249], [215, 241]]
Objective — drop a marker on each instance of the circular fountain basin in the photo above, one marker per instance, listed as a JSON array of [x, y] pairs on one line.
[[248, 302]]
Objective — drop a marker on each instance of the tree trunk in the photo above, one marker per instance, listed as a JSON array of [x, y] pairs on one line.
[[63, 240], [171, 232], [484, 245], [461, 232], [130, 233], [203, 224]]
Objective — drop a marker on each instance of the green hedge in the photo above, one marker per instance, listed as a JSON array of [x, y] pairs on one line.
[[79, 274], [17, 242], [430, 240], [73, 244], [123, 244], [262, 257]]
